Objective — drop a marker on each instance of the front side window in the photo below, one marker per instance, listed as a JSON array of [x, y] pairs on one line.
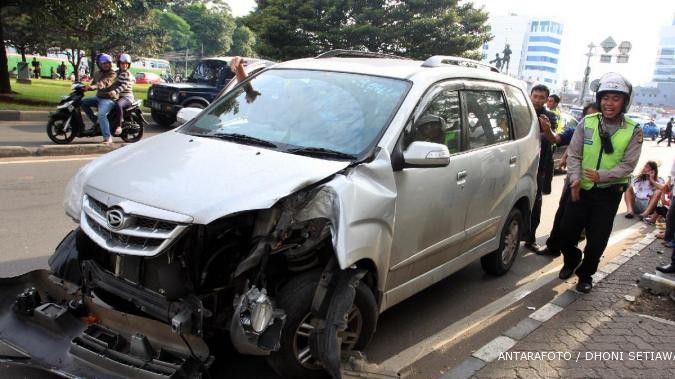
[[486, 118], [209, 71], [440, 122], [296, 109]]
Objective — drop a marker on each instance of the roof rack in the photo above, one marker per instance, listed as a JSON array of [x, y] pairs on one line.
[[341, 53], [439, 60]]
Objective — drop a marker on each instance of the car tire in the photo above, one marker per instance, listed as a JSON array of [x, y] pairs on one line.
[[295, 299], [163, 119], [500, 261]]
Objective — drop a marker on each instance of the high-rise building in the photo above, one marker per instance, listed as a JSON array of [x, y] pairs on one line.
[[665, 60], [541, 52], [535, 45]]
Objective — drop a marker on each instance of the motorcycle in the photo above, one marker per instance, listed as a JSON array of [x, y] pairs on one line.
[[67, 123]]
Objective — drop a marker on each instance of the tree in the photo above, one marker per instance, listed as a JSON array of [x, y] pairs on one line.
[[23, 32], [212, 27], [243, 42], [179, 36], [299, 28]]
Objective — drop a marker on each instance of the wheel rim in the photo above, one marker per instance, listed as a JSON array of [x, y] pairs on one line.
[[131, 134], [350, 337], [510, 242], [58, 132]]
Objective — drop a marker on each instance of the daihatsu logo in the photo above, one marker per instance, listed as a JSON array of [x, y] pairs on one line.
[[115, 218]]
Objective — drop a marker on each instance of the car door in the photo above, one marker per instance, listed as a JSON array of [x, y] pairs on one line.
[[492, 174], [431, 202]]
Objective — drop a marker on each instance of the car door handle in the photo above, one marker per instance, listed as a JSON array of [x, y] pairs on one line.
[[461, 175], [513, 160]]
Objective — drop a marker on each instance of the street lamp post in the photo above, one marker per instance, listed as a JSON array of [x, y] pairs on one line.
[[587, 72]]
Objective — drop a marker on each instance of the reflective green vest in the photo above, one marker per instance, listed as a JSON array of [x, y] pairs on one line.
[[595, 158], [560, 126]]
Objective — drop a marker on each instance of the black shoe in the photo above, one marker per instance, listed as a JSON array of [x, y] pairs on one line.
[[549, 252], [667, 269], [533, 246], [566, 271], [585, 285]]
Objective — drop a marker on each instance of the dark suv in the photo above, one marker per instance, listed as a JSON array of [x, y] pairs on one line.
[[200, 88]]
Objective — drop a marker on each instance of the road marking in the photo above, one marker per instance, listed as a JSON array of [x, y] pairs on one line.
[[546, 312], [403, 359], [492, 350], [49, 160]]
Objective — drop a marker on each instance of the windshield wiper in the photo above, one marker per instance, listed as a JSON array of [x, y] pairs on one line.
[[321, 152], [236, 137]]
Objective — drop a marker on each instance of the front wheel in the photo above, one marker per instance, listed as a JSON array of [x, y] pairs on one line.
[[500, 261], [163, 119], [60, 129], [294, 359]]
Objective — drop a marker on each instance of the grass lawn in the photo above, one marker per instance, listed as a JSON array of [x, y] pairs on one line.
[[44, 94]]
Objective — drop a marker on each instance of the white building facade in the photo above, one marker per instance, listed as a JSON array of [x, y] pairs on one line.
[[664, 71], [535, 44]]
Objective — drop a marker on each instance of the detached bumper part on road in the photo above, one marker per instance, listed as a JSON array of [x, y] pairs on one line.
[[43, 333]]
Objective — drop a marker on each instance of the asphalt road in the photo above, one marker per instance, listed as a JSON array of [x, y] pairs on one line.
[[33, 134], [32, 223]]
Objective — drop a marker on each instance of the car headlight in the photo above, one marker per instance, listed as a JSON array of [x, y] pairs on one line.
[[151, 92], [73, 196], [174, 97]]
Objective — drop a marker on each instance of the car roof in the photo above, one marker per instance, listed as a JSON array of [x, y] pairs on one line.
[[395, 68]]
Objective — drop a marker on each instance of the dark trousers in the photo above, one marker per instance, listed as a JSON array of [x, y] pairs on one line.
[[122, 103], [595, 212], [669, 233], [535, 217], [553, 241], [667, 135]]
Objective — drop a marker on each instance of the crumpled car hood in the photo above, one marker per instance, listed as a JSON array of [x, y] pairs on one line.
[[205, 178]]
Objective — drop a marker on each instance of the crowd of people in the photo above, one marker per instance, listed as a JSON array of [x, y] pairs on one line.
[[602, 154]]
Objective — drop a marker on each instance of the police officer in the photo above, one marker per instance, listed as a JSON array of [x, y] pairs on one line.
[[603, 153]]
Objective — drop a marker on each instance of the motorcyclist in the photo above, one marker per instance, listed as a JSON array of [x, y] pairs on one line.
[[123, 89], [104, 99]]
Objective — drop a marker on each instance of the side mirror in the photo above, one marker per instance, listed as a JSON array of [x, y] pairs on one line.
[[186, 114], [426, 154]]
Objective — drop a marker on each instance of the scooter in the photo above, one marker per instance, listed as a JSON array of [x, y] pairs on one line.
[[67, 123]]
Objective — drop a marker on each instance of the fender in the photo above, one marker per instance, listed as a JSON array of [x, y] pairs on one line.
[[195, 99]]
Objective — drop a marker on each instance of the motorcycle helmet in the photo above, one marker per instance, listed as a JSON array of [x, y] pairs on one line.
[[124, 57], [613, 82], [103, 58]]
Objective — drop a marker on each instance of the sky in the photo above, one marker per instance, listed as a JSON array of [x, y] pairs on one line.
[[584, 21]]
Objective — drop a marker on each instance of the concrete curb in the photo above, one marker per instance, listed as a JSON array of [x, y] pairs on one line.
[[501, 344], [10, 115], [57, 150]]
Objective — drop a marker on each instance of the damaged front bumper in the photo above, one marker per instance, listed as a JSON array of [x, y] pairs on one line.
[[47, 329]]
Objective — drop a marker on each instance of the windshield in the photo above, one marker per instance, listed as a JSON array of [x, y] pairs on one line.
[[296, 109], [209, 71]]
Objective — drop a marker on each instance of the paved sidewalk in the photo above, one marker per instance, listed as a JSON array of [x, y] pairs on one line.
[[603, 334]]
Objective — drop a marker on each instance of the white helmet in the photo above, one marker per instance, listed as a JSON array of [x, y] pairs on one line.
[[613, 82]]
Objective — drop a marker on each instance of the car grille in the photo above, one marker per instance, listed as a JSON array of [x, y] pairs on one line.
[[161, 94], [137, 235]]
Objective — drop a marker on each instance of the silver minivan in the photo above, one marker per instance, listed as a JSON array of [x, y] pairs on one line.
[[285, 217]]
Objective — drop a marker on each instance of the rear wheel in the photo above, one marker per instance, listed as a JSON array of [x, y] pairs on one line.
[[59, 129], [294, 358], [500, 261], [132, 133], [162, 118]]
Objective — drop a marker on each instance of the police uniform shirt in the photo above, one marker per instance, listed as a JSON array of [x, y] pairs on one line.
[[622, 170]]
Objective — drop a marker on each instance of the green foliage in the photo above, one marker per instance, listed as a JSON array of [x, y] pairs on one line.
[[243, 42], [179, 36], [212, 27], [415, 28], [22, 32]]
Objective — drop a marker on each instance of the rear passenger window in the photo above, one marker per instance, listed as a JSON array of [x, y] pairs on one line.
[[520, 111], [486, 119], [440, 122]]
